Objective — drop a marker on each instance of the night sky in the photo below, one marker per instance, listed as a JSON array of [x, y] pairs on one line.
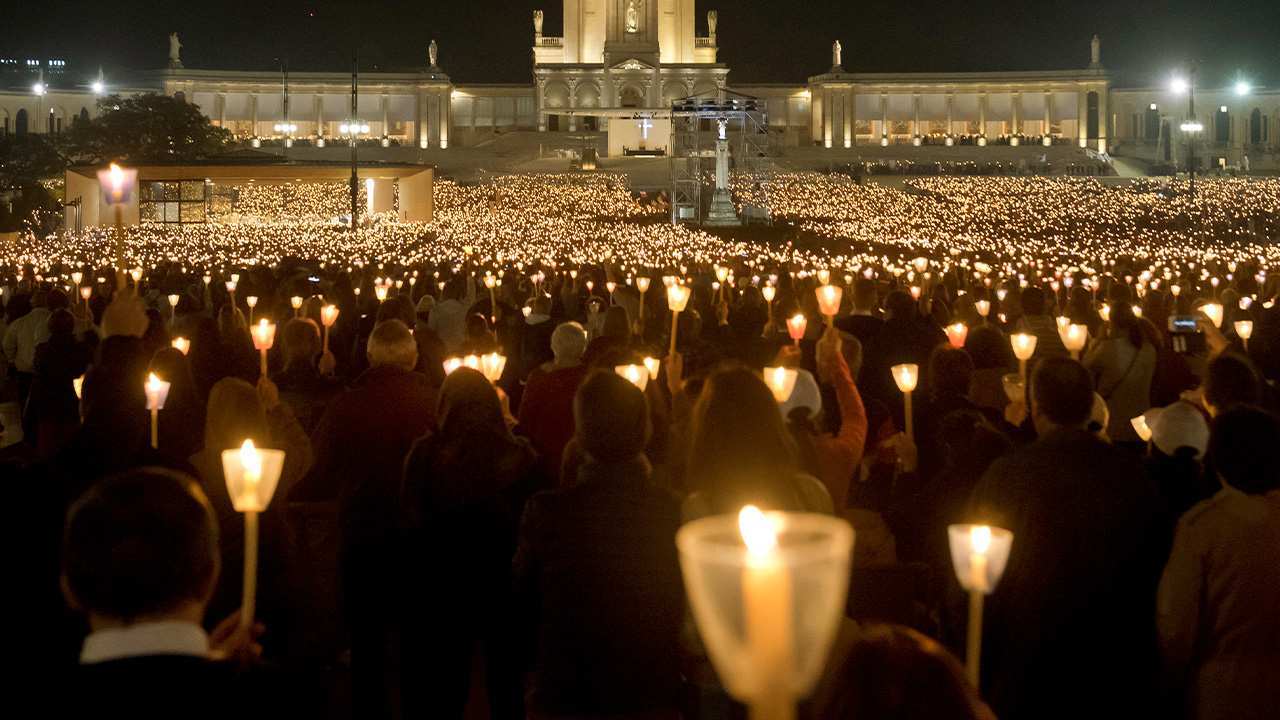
[[761, 41]]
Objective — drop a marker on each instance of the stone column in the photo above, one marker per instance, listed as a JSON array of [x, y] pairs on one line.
[[848, 117], [443, 121], [383, 104], [253, 114], [573, 104], [419, 137], [1082, 116], [815, 114], [1016, 111], [915, 115], [982, 114], [826, 118], [539, 88], [1048, 118], [221, 102], [1102, 120], [318, 107]]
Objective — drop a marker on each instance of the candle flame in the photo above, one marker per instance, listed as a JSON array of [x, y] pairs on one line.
[[980, 539], [758, 532], [251, 461]]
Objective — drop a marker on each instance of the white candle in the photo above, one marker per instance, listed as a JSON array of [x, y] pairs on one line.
[[766, 596]]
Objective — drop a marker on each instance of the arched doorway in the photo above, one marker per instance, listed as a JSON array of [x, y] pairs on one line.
[[20, 123], [1222, 127], [631, 97], [1152, 121]]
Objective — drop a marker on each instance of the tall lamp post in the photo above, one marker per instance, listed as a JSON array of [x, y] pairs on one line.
[[1191, 127], [355, 112]]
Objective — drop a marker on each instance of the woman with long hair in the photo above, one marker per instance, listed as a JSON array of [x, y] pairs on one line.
[[740, 451]]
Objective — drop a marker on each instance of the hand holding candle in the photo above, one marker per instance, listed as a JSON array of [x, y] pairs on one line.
[[979, 554], [906, 376]]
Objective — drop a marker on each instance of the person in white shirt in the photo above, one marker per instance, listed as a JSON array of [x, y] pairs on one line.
[[25, 333], [449, 317]]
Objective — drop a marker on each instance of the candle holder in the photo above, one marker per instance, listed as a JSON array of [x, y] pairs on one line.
[[328, 316], [296, 303], [677, 301], [781, 382], [642, 284], [157, 391], [796, 326], [491, 366], [173, 306], [978, 554], [906, 376], [1024, 346], [1140, 426], [768, 292], [1244, 331], [1074, 338], [652, 364], [983, 307], [181, 344], [829, 297], [251, 475], [957, 333], [637, 375], [264, 336], [767, 591], [491, 282]]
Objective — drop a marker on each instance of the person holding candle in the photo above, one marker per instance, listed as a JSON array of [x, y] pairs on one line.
[[905, 337], [1091, 538], [597, 573], [388, 408], [1123, 364], [306, 382], [53, 410], [239, 411], [182, 417], [465, 487], [1217, 596], [140, 562], [448, 317], [23, 334], [740, 452], [546, 408], [1037, 320]]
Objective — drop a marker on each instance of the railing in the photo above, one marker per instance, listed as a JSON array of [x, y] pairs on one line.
[[704, 42], [548, 41]]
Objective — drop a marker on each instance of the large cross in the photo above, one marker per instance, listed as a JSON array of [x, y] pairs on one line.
[[645, 124]]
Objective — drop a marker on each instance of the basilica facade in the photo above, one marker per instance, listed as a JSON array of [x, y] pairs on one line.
[[617, 60]]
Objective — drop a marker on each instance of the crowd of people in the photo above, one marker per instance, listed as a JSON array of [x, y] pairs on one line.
[[446, 544]]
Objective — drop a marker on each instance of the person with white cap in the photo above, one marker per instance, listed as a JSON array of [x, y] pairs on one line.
[[1179, 438]]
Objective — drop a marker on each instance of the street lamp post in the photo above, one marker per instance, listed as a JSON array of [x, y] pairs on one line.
[[1191, 127], [355, 112]]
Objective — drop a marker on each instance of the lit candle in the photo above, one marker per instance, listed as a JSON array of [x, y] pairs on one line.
[[637, 375], [766, 596], [906, 376], [1140, 426], [328, 316], [642, 284], [251, 476], [1074, 337], [1244, 330], [157, 391], [829, 297], [181, 344], [978, 555], [296, 303], [677, 300], [781, 382], [796, 325], [78, 385], [264, 336], [983, 307], [492, 365], [1214, 312], [652, 364], [1024, 346], [956, 334]]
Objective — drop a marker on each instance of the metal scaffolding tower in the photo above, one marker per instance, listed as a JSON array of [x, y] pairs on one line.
[[694, 132]]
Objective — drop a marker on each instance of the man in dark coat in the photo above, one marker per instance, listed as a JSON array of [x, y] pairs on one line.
[[1070, 629], [360, 447]]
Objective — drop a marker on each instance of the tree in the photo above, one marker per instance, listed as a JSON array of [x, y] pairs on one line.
[[146, 128]]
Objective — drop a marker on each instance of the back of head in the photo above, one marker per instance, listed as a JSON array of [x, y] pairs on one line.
[[1032, 301], [392, 344], [950, 371], [740, 450], [1062, 392], [235, 414], [62, 323], [301, 341], [864, 294], [1244, 444], [617, 324], [140, 545], [399, 308], [988, 348], [1231, 380], [455, 288], [541, 305], [611, 417], [900, 306], [468, 400], [895, 672], [57, 300], [568, 342]]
